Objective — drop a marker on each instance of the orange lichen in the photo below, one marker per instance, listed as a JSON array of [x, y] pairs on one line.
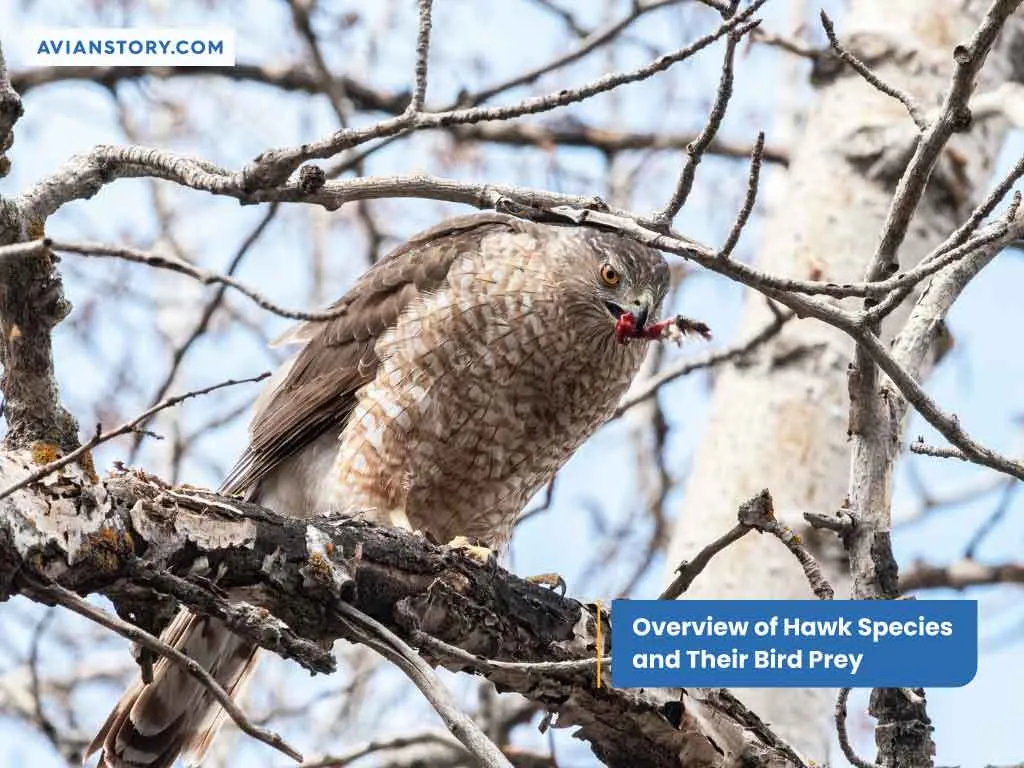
[[36, 229], [319, 562], [329, 549], [88, 465], [44, 452], [107, 548]]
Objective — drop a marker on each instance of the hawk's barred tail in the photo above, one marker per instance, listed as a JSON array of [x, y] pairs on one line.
[[152, 724]]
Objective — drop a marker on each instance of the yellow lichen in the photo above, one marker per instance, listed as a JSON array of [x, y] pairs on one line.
[[44, 452]]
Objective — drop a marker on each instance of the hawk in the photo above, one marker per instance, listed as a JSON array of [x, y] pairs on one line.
[[459, 374]]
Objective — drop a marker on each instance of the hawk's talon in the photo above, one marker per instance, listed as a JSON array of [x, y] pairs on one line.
[[552, 581], [472, 549]]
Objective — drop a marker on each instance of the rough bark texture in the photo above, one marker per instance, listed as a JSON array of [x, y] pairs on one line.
[[782, 423], [132, 537]]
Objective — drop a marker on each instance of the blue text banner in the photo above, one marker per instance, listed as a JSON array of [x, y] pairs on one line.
[[794, 643]]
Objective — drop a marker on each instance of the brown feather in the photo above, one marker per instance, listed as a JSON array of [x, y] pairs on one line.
[[318, 392]]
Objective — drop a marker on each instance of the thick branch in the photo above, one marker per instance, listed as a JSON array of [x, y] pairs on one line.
[[106, 537]]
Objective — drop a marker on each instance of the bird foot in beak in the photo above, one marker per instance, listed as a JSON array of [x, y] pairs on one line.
[[674, 329]]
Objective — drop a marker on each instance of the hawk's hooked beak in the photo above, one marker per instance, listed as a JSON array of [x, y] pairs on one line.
[[640, 310], [642, 314], [614, 309]]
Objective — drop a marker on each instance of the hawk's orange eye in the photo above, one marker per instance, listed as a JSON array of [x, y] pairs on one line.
[[610, 275]]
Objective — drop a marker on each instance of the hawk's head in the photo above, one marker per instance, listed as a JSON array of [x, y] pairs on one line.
[[628, 282]]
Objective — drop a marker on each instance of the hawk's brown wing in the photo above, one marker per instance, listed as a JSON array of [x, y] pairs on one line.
[[318, 392]]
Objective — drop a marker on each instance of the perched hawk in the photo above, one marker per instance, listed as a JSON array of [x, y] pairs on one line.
[[464, 369]]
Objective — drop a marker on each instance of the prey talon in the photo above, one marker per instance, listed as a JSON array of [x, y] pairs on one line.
[[552, 581], [472, 549]]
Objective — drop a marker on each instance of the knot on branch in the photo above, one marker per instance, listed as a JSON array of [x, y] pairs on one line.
[[311, 178]]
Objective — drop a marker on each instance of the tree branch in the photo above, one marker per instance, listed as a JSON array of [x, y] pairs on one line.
[[87, 537]]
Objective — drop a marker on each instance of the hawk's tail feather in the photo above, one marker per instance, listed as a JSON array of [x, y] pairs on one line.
[[152, 724]]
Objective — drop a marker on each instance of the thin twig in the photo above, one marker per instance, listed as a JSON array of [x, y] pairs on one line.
[[419, 92], [940, 452], [753, 182], [22, 250], [865, 72], [205, 317], [788, 44], [844, 737], [375, 635], [73, 602], [590, 43], [383, 745], [757, 513], [695, 151], [688, 570], [653, 385], [182, 267], [1010, 489], [130, 426]]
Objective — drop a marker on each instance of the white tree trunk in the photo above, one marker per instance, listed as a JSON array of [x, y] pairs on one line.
[[782, 423]]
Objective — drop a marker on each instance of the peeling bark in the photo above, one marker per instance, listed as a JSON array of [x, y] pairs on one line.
[[136, 540]]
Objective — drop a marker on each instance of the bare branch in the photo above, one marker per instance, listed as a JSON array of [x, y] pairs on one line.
[[290, 77], [452, 652], [596, 39], [948, 425], [10, 111], [182, 267], [695, 151], [64, 597], [960, 575], [606, 140], [920, 447], [865, 72], [102, 437], [652, 385], [383, 745], [688, 570], [844, 737], [954, 116], [419, 92], [756, 514], [274, 166], [389, 645], [753, 182]]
